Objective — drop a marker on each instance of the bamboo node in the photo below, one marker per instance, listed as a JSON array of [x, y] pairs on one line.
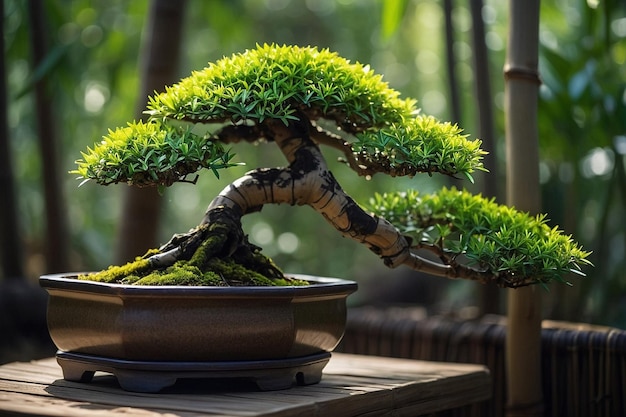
[[522, 73]]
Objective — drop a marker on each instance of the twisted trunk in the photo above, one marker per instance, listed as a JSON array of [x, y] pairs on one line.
[[305, 181]]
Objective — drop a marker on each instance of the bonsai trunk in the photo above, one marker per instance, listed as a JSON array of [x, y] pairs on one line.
[[305, 181]]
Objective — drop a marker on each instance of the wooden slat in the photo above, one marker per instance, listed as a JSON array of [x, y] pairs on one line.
[[352, 385]]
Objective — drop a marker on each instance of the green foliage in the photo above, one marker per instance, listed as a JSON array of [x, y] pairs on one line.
[[420, 144], [284, 83], [277, 82], [498, 239], [150, 153]]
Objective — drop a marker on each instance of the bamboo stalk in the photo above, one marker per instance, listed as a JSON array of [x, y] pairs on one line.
[[523, 342]]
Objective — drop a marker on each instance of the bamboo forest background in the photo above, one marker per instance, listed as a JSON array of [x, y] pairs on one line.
[[447, 54]]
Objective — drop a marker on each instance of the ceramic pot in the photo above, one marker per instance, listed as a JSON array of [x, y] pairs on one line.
[[178, 323], [151, 336]]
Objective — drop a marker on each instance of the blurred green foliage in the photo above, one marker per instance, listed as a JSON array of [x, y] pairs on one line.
[[583, 130], [92, 68]]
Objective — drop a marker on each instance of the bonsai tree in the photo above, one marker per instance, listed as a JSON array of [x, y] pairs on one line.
[[301, 99]]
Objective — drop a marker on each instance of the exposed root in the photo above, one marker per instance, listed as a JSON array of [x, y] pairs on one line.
[[215, 253]]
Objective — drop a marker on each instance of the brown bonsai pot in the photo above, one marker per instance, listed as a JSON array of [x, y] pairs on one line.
[[182, 331]]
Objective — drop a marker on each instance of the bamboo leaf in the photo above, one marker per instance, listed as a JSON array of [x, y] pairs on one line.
[[392, 12]]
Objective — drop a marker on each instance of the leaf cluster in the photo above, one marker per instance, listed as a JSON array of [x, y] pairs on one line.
[[278, 82], [285, 83], [420, 144], [151, 154], [512, 246]]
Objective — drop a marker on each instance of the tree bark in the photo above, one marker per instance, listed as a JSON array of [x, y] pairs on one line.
[[523, 340], [57, 236], [11, 258], [141, 210], [307, 181]]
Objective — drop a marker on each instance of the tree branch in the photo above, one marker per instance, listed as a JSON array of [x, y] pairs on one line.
[[237, 133], [324, 137], [308, 181]]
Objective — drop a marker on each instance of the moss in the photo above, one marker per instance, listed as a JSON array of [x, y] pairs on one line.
[[236, 274], [203, 269], [118, 273], [181, 273], [217, 272], [212, 245]]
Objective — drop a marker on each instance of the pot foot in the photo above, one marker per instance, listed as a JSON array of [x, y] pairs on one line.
[[154, 376], [146, 382], [308, 375], [76, 373]]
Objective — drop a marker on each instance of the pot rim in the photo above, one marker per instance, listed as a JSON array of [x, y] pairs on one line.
[[321, 286]]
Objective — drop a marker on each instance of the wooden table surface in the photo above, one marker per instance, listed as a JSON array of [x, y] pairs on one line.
[[352, 385]]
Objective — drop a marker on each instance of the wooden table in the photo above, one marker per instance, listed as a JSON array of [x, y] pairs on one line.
[[352, 385]]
